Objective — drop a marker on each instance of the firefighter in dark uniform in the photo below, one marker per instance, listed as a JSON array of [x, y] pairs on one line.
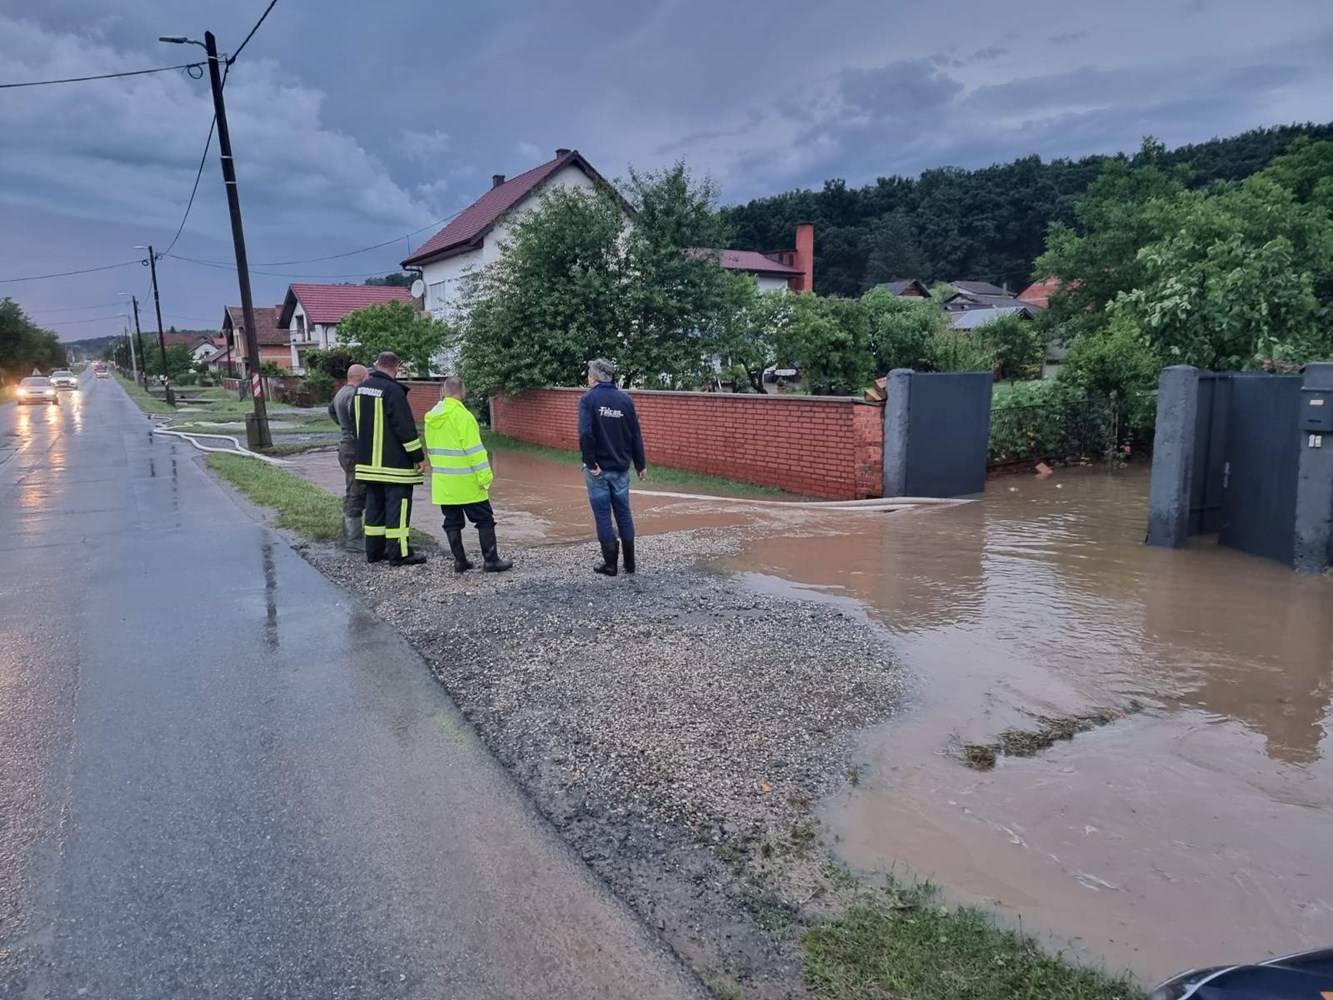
[[389, 460]]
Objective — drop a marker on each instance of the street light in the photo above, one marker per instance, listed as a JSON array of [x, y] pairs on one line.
[[161, 338], [257, 429]]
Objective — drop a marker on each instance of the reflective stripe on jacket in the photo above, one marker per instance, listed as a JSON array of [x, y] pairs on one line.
[[388, 446], [460, 471]]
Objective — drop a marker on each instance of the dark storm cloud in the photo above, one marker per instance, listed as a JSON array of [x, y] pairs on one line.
[[353, 125], [899, 88]]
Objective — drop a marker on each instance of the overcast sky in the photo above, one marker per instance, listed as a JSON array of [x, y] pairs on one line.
[[355, 123]]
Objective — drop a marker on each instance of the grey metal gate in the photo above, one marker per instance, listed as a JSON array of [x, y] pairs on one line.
[[936, 433], [1259, 475]]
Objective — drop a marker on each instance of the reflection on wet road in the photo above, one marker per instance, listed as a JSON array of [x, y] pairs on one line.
[[219, 778], [1142, 841]]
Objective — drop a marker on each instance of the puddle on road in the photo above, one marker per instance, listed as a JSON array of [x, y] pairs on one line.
[[1193, 833]]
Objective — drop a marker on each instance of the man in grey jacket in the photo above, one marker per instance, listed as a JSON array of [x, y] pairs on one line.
[[354, 494]]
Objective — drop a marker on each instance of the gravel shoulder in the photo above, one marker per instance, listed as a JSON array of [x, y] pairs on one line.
[[675, 726]]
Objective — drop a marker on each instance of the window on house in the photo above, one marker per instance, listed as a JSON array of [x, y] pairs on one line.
[[439, 296]]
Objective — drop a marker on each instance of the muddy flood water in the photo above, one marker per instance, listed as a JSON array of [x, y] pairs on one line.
[[1195, 830]]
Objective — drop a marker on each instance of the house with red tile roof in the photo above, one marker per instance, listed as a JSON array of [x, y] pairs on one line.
[[473, 238], [1039, 292], [310, 314], [231, 358], [775, 270]]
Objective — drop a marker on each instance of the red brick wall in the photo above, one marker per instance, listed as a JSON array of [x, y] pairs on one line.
[[822, 446], [421, 396]]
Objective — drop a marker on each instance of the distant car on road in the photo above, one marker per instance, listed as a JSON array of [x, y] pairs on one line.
[[102, 371], [37, 389], [63, 378]]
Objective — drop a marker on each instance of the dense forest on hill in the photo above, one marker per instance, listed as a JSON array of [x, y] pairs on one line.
[[985, 225]]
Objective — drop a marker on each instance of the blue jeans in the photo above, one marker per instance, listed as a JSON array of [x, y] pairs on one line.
[[609, 493]]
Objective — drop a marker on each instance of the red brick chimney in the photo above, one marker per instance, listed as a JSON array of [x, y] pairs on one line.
[[804, 259]]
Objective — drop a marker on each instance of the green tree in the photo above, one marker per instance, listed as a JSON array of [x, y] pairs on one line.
[[395, 326], [179, 360], [826, 339], [1119, 362], [892, 250], [1017, 344], [670, 292], [987, 224], [1231, 284], [900, 329], [552, 300], [24, 345], [1126, 208], [739, 340], [958, 351], [333, 362], [398, 279]]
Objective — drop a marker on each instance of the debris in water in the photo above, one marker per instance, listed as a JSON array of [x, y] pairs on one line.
[[1049, 729]]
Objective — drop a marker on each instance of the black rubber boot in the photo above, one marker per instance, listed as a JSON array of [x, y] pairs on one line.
[[411, 559], [610, 556], [461, 562], [374, 548], [628, 544], [491, 561]]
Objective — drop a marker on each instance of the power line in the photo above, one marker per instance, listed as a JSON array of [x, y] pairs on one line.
[[94, 319], [339, 256], [62, 309], [233, 57], [220, 265], [103, 76], [66, 274], [194, 190]]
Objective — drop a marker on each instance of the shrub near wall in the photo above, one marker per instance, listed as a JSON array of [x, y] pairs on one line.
[[825, 446], [1049, 420]]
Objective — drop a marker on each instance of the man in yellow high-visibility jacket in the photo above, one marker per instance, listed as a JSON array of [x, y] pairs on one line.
[[461, 476]]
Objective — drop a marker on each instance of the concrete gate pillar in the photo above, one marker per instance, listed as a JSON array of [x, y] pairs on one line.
[[897, 401], [1173, 456], [1314, 476]]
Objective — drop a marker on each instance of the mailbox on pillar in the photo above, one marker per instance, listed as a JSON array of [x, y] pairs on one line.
[[1317, 410]]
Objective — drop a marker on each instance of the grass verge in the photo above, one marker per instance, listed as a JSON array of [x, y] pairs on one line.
[[7, 393], [309, 510], [281, 448], [145, 402], [658, 475], [903, 942], [302, 507]]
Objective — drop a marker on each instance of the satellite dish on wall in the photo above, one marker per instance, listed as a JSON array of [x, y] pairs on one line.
[[418, 288]]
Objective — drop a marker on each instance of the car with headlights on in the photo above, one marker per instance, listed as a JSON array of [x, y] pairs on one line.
[[63, 378], [37, 389]]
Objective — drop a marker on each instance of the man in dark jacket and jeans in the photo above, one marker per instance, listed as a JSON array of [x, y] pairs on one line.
[[611, 442]]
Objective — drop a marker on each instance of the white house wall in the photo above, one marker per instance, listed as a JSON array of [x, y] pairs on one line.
[[452, 272], [769, 283]]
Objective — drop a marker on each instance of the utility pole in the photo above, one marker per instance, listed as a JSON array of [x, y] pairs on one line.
[[161, 338], [256, 425], [138, 334], [134, 365], [259, 435]]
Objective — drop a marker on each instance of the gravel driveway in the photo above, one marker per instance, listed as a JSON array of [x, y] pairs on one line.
[[675, 725]]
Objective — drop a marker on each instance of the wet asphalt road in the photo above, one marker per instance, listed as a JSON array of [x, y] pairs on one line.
[[219, 778]]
